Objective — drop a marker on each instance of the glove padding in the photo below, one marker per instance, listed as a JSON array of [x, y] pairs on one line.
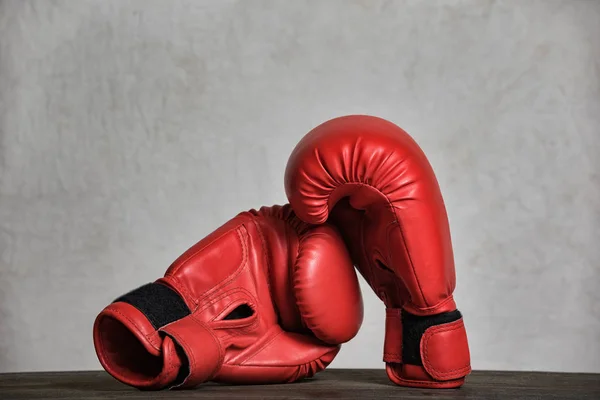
[[372, 181], [263, 299]]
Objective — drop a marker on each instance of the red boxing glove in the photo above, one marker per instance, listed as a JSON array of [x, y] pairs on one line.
[[370, 179], [263, 299]]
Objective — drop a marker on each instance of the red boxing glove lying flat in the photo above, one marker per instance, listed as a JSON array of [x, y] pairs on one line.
[[263, 299], [370, 179]]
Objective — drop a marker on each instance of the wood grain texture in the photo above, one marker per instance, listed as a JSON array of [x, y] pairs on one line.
[[331, 384]]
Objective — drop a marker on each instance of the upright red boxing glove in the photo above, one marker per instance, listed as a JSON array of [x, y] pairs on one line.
[[263, 299], [370, 179]]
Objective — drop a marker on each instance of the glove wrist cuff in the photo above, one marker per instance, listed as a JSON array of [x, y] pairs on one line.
[[437, 345], [153, 325]]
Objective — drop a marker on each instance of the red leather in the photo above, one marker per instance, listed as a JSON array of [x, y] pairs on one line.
[[443, 348], [392, 344], [373, 182], [297, 279], [123, 338]]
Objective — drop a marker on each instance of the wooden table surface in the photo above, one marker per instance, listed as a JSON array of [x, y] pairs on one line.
[[330, 384]]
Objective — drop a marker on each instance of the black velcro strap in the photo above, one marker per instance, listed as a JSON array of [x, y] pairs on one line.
[[159, 303], [413, 328]]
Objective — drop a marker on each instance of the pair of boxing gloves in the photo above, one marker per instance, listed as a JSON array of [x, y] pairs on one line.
[[270, 296]]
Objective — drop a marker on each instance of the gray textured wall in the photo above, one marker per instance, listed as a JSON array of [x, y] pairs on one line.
[[130, 129]]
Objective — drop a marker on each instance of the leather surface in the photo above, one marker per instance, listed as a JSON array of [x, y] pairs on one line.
[[298, 280], [392, 345], [370, 179], [445, 351]]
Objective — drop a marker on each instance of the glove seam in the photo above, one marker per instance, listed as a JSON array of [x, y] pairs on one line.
[[285, 365], [416, 383], [243, 241], [225, 281], [234, 275], [189, 257], [260, 349], [431, 310], [397, 223], [267, 275]]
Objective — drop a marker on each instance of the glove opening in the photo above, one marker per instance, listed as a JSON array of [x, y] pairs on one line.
[[124, 354]]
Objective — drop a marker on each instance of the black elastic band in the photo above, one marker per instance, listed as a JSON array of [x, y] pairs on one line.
[[160, 304], [413, 328]]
